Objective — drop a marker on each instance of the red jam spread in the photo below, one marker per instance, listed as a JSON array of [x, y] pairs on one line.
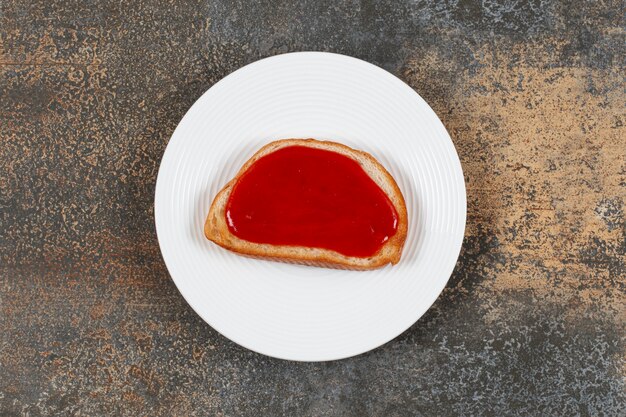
[[310, 197]]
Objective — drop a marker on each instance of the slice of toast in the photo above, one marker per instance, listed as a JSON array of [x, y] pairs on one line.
[[216, 228]]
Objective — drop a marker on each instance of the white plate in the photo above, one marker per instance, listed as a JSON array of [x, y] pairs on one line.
[[298, 312]]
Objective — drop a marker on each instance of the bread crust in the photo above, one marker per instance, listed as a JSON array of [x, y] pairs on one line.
[[216, 228]]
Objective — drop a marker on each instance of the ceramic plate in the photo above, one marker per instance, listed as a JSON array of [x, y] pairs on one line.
[[298, 312]]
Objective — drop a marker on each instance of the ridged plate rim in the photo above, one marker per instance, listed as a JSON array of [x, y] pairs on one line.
[[332, 97]]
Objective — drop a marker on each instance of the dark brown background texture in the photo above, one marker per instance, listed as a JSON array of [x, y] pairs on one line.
[[532, 320]]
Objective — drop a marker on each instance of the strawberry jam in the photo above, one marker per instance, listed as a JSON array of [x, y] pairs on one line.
[[311, 197]]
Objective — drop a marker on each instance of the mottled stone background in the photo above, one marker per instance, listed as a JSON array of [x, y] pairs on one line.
[[532, 320]]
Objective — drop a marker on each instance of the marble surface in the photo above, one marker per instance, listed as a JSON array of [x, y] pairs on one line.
[[532, 320]]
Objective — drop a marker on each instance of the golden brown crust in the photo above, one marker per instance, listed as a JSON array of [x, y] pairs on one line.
[[216, 229]]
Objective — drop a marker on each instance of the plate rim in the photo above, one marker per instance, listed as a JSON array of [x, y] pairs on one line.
[[462, 197]]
